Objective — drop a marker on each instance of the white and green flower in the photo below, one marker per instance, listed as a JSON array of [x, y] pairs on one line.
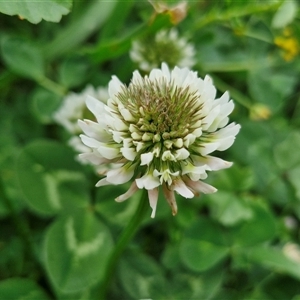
[[73, 107], [160, 130], [165, 46]]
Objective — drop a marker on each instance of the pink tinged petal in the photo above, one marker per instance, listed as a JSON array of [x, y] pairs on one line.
[[129, 153], [148, 181], [121, 175], [146, 158], [133, 188], [182, 154], [170, 197], [114, 86], [153, 197], [180, 187], [200, 186]]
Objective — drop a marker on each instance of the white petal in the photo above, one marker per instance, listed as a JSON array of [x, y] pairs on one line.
[[129, 153], [153, 197], [208, 148], [182, 154], [148, 181], [146, 158], [216, 163], [133, 188], [114, 86], [94, 105], [189, 140], [120, 175], [90, 142], [93, 158], [126, 114], [102, 182], [181, 188], [200, 186], [109, 152]]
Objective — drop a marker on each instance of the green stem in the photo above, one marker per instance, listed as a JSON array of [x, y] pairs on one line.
[[221, 16], [125, 237], [52, 86]]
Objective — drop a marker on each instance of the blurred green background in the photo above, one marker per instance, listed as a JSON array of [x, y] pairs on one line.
[[57, 230]]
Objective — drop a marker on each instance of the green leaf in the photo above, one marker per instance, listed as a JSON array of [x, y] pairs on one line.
[[294, 176], [284, 153], [285, 14], [141, 277], [275, 260], [21, 289], [72, 69], [76, 250], [43, 104], [260, 228], [236, 178], [35, 11], [90, 18], [229, 209], [50, 178], [203, 245], [270, 86], [22, 57]]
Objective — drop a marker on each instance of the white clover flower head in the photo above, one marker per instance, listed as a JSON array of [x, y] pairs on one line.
[[73, 107], [160, 131], [166, 46]]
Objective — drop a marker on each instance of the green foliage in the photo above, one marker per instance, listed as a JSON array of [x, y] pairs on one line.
[[20, 288], [34, 12], [50, 178], [84, 245], [58, 230]]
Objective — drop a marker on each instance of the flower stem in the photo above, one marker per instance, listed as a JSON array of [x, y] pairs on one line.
[[52, 86], [125, 237]]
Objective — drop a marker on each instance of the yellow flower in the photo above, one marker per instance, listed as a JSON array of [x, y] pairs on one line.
[[289, 44]]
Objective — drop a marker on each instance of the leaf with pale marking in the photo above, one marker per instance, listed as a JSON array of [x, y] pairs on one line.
[[50, 178], [76, 250]]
